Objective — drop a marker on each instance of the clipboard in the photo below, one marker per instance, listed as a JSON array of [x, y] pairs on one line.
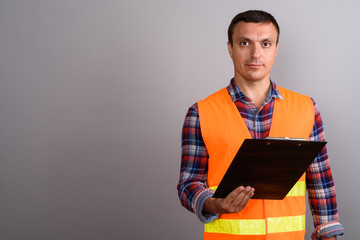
[[272, 166]]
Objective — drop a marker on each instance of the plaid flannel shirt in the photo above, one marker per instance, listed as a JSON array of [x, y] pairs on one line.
[[192, 187]]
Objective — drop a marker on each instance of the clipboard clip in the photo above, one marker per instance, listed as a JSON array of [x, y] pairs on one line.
[[285, 139]]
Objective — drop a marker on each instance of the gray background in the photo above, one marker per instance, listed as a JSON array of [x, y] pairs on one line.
[[93, 95]]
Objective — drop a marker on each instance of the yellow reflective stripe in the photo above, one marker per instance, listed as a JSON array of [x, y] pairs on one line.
[[256, 226], [297, 190], [236, 226], [213, 188], [286, 224]]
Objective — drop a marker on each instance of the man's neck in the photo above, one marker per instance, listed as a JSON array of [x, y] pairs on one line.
[[257, 91]]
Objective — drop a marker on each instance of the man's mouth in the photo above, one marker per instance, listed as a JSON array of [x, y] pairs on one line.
[[254, 65]]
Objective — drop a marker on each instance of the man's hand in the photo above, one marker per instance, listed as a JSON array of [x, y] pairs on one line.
[[233, 203]]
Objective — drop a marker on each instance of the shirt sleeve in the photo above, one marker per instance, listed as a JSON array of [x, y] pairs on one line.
[[192, 188], [321, 188]]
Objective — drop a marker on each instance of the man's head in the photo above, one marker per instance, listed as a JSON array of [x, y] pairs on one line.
[[252, 16], [253, 45]]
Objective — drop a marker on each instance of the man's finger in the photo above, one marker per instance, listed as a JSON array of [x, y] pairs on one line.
[[243, 198], [234, 194]]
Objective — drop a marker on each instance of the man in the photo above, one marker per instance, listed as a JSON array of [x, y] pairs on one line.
[[253, 106]]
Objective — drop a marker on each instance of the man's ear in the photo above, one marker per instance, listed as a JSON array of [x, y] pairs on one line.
[[229, 48]]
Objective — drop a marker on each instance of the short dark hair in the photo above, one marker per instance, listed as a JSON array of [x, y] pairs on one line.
[[253, 16]]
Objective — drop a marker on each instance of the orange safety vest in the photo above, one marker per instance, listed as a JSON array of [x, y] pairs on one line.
[[223, 131]]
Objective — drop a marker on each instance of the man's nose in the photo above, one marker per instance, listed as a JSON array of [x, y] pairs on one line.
[[256, 51]]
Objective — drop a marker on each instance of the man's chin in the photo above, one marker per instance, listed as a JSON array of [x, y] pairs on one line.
[[256, 78]]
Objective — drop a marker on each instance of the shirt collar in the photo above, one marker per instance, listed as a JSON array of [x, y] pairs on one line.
[[237, 94]]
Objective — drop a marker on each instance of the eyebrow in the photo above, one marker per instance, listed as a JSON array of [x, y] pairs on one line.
[[268, 40], [243, 39], [249, 40]]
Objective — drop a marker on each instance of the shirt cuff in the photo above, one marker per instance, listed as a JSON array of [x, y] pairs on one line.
[[199, 206], [328, 230]]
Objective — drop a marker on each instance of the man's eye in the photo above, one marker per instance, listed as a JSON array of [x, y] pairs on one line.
[[266, 44], [244, 43]]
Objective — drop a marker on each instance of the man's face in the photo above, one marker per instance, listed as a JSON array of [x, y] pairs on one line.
[[254, 50]]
